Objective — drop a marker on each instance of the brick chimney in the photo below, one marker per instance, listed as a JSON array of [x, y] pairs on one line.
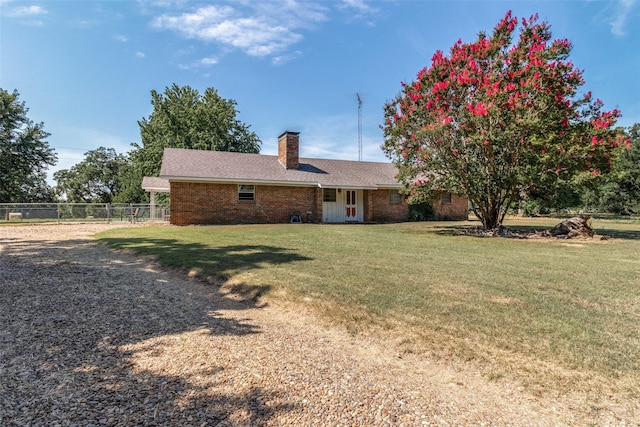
[[288, 144]]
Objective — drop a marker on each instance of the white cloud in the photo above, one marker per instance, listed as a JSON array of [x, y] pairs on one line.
[[359, 10], [209, 61], [621, 17], [281, 59], [199, 64], [359, 5], [262, 29], [29, 14], [121, 38], [28, 11], [140, 54]]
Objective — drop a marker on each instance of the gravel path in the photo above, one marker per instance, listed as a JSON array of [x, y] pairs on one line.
[[92, 337]]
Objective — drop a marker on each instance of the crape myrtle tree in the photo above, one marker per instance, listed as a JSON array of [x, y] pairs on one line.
[[184, 118], [498, 119], [25, 154]]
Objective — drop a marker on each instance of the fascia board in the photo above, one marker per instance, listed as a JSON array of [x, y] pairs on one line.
[[158, 189], [350, 187], [241, 181]]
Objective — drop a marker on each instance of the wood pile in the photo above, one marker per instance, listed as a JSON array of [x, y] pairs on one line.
[[578, 226]]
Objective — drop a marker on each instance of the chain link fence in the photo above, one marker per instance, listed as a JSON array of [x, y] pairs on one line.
[[82, 212]]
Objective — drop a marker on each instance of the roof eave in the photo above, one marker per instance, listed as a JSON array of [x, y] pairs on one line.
[[159, 189], [350, 187], [241, 181], [391, 186]]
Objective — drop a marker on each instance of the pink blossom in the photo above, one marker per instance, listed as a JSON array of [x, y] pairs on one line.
[[479, 109], [437, 57]]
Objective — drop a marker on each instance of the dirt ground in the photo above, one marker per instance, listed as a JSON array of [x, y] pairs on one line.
[[93, 337]]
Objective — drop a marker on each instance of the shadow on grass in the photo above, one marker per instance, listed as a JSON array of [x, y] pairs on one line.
[[476, 231], [521, 230], [619, 234], [77, 320], [221, 263]]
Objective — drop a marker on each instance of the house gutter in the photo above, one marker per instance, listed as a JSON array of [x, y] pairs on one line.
[[242, 181], [278, 183]]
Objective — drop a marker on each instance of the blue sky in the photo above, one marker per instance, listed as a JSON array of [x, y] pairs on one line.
[[86, 68]]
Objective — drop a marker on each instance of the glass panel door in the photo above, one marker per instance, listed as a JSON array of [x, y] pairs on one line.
[[351, 205]]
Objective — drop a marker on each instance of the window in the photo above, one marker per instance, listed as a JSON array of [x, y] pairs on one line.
[[329, 195], [445, 198], [246, 193], [351, 197], [394, 196]]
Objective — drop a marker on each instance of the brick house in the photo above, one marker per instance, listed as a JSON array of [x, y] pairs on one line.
[[449, 206], [215, 187]]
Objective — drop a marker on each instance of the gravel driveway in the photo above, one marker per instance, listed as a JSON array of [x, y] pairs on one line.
[[92, 337]]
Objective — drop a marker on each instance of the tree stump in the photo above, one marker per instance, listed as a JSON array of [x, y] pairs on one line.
[[578, 226]]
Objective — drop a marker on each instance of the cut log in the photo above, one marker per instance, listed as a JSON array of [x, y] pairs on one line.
[[578, 226]]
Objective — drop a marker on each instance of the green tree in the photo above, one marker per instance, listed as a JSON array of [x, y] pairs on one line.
[[498, 120], [24, 154], [96, 179], [130, 180], [618, 192], [183, 118]]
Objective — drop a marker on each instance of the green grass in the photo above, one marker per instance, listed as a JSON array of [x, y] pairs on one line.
[[551, 314]]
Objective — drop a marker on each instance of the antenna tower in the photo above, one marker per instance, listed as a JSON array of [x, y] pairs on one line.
[[359, 126]]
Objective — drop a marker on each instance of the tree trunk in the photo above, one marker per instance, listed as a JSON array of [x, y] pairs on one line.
[[579, 226], [489, 216]]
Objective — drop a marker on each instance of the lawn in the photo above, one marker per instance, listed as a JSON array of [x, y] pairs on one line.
[[554, 315]]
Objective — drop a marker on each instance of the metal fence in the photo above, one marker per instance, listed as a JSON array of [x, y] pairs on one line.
[[82, 212]]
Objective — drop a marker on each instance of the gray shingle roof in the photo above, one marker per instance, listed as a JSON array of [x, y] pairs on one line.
[[152, 183], [219, 166]]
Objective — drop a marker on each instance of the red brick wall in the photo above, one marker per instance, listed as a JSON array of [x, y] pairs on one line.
[[458, 209], [198, 203], [382, 210]]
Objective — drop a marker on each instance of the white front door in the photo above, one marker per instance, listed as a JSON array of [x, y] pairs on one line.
[[351, 205], [342, 205]]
